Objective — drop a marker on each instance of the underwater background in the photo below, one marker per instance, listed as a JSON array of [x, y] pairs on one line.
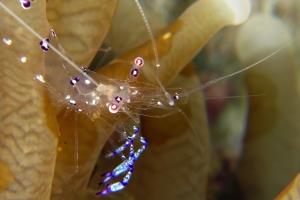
[[242, 137]]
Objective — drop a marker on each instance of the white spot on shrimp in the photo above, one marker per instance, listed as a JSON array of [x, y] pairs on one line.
[[40, 78], [7, 41], [23, 59], [72, 102]]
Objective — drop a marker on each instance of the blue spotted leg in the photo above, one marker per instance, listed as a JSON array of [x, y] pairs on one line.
[[125, 166]]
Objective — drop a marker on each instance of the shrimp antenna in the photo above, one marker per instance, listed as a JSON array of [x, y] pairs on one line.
[[214, 81], [157, 62]]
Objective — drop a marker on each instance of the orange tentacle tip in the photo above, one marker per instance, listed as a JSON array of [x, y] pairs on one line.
[[291, 191]]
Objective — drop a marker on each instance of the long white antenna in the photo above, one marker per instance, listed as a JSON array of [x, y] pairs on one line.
[[211, 82], [157, 63], [171, 101]]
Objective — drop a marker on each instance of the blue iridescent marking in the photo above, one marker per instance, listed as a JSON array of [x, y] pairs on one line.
[[125, 166]]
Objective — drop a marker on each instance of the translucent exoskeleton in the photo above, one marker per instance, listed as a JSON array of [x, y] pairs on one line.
[[77, 91], [98, 97]]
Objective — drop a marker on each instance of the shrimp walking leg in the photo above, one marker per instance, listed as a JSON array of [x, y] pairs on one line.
[[125, 166]]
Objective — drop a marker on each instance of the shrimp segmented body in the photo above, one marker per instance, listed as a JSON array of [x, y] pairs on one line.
[[97, 96]]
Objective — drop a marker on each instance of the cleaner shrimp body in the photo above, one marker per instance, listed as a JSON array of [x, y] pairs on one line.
[[98, 97]]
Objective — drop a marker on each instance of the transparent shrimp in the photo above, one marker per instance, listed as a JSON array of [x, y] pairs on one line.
[[87, 92]]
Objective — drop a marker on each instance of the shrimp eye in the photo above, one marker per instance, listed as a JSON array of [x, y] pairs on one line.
[[113, 108], [139, 61]]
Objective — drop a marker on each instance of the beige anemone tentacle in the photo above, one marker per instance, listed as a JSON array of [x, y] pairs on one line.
[[81, 26], [28, 128], [176, 44], [270, 158]]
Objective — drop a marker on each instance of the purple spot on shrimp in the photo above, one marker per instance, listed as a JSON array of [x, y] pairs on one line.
[[84, 70], [72, 82], [44, 44], [134, 72], [53, 32], [100, 183], [25, 4], [131, 154], [105, 174], [118, 99]]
